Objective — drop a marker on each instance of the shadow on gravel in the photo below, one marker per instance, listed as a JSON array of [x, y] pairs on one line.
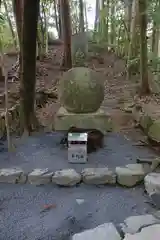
[[44, 151]]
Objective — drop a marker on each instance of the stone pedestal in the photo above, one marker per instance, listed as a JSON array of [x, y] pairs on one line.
[[98, 120], [81, 93]]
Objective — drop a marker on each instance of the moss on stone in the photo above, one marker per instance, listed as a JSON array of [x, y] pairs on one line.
[[145, 122], [154, 131], [81, 90]]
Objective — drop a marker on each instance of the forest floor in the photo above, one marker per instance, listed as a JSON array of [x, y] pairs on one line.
[[118, 90]]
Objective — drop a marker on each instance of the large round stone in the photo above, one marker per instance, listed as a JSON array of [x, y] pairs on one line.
[[81, 90]]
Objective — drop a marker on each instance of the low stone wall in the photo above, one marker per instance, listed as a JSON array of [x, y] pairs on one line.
[[128, 176], [147, 116]]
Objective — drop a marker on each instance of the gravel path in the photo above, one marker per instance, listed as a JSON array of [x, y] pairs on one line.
[[20, 205], [43, 151], [21, 217]]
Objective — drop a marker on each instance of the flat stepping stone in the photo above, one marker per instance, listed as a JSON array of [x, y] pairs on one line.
[[11, 175], [106, 231], [98, 176], [40, 176], [133, 224], [147, 233], [66, 177], [132, 174]]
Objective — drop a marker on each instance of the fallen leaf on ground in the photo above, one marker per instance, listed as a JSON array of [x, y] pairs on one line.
[[48, 207]]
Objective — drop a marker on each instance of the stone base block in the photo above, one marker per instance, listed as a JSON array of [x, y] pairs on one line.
[[98, 120]]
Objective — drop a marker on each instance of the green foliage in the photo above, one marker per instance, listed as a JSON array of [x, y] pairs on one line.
[[2, 25], [2, 19], [133, 65], [153, 11], [154, 63], [101, 35], [156, 16], [133, 61], [5, 34]]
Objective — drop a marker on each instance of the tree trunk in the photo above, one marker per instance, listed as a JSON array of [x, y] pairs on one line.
[[66, 23], [81, 16], [156, 41], [96, 15], [113, 22], [134, 30], [39, 50], [145, 89], [107, 22], [18, 12], [1, 75], [102, 4], [134, 45], [156, 31], [60, 20], [56, 17], [45, 32], [128, 15], [1, 60], [27, 87], [127, 25], [86, 19], [1, 72], [10, 25], [154, 37]]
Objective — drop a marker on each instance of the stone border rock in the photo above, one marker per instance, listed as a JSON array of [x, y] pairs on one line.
[[133, 228], [127, 176]]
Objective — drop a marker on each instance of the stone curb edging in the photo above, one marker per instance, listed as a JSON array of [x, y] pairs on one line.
[[128, 176]]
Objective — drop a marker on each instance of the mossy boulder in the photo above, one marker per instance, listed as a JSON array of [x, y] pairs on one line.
[[154, 131], [145, 122], [81, 90]]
